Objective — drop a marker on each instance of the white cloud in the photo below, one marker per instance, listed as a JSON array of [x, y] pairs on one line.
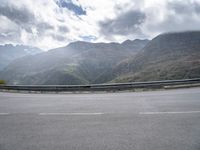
[[44, 24]]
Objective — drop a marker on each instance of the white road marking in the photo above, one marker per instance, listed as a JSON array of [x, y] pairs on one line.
[[178, 112], [2, 114], [68, 114]]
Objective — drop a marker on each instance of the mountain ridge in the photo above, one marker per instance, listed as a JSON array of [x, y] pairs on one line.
[[167, 56], [80, 60], [9, 53]]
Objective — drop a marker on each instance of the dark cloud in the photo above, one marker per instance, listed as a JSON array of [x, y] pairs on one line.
[[9, 37], [17, 15], [197, 8], [63, 29], [127, 23], [42, 27], [78, 10], [187, 8], [58, 37], [45, 26], [25, 21], [181, 20]]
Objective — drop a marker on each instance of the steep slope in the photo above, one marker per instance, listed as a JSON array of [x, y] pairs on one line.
[[8, 53], [77, 63], [168, 56]]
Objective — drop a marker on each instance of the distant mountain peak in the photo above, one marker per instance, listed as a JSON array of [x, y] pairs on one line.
[[10, 52], [126, 41], [78, 43], [134, 41]]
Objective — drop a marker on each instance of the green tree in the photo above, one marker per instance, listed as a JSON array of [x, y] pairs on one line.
[[2, 82]]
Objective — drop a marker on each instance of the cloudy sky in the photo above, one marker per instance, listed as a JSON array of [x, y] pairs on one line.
[[53, 23]]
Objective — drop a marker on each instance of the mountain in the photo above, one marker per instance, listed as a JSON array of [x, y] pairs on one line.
[[77, 63], [8, 53], [167, 56]]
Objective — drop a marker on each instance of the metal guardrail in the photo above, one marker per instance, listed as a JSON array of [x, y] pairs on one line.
[[100, 87]]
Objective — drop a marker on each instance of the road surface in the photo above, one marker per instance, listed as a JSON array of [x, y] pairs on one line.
[[157, 120]]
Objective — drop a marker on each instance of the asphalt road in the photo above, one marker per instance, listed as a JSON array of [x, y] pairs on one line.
[[159, 120]]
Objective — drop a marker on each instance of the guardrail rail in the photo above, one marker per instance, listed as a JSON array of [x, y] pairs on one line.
[[101, 87]]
